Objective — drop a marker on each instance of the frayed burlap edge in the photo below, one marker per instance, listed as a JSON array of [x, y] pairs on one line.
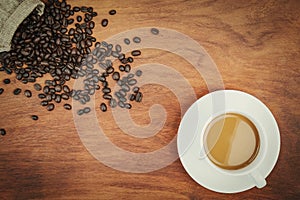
[[15, 19]]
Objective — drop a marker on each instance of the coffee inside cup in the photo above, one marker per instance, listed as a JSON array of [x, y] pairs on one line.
[[231, 141]]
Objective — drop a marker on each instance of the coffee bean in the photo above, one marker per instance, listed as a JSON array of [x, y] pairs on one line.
[[92, 91], [87, 110], [57, 88], [71, 31], [112, 12], [127, 68], [107, 96], [17, 91], [25, 75], [64, 96], [130, 59], [113, 103], [79, 18], [19, 76], [92, 24], [34, 117], [76, 9], [131, 75], [123, 99], [42, 96], [121, 104], [125, 87], [104, 22], [121, 56], [70, 21], [136, 39], [79, 30], [118, 94], [49, 97], [136, 53], [116, 76], [124, 61], [110, 70], [80, 112], [1, 90], [103, 65], [57, 98], [27, 93], [63, 30], [90, 10], [44, 103], [2, 131], [46, 89], [67, 106], [127, 41], [122, 93], [6, 81], [103, 107], [82, 101], [48, 83], [136, 89], [95, 71], [132, 82], [50, 107], [120, 82], [139, 97], [106, 90], [118, 48], [138, 73], [121, 68], [154, 31], [66, 89], [87, 98], [128, 106], [131, 97], [97, 44]]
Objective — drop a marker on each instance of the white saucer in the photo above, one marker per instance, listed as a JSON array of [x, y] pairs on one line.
[[200, 114]]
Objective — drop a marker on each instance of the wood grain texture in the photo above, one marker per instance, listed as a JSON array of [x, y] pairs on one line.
[[256, 46]]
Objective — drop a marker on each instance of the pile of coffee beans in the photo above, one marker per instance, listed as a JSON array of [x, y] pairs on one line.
[[60, 43]]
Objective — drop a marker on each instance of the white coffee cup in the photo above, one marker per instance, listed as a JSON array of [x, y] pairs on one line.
[[252, 168], [191, 145]]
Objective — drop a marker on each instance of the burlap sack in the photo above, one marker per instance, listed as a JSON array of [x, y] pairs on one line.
[[12, 13]]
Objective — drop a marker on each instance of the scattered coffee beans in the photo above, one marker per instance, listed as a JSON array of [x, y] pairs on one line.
[[34, 117], [27, 93], [104, 22], [136, 39], [50, 107], [112, 12], [154, 31], [138, 73], [47, 45], [37, 87], [136, 53], [2, 131], [103, 107], [6, 81], [67, 106], [87, 110], [17, 91], [127, 41]]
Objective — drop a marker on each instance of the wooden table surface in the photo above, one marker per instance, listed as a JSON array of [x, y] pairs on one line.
[[256, 46]]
